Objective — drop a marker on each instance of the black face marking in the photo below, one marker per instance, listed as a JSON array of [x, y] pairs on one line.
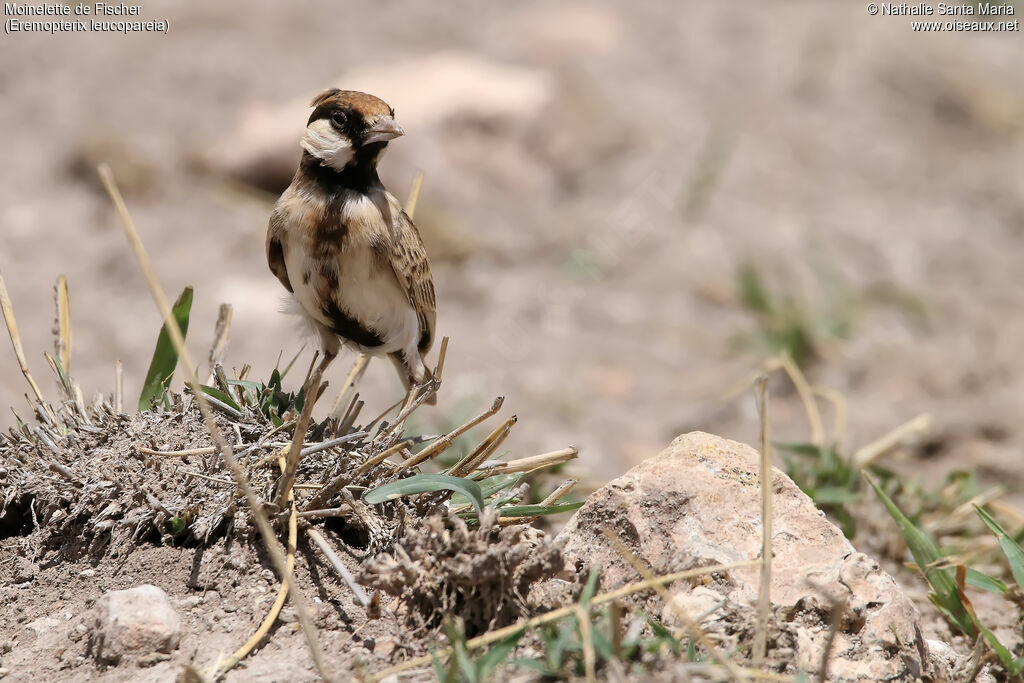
[[348, 327], [345, 120], [306, 277]]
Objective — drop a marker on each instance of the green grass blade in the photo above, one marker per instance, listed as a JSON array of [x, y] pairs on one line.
[[221, 396], [799, 448], [587, 594], [753, 294], [498, 653], [537, 510], [490, 486], [218, 398], [426, 483], [926, 554], [534, 664], [985, 582], [1001, 651], [1014, 553], [165, 358]]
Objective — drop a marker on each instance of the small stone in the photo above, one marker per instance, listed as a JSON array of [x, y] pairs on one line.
[[87, 573], [190, 602], [24, 570], [385, 648], [137, 622]]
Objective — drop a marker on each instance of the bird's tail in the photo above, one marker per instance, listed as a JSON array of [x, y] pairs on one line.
[[414, 374]]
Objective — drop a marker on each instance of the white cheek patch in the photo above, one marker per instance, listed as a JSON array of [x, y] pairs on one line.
[[325, 143]]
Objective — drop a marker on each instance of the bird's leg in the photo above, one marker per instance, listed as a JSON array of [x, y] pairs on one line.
[[328, 357]]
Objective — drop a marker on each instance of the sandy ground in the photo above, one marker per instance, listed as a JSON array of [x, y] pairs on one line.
[[586, 259]]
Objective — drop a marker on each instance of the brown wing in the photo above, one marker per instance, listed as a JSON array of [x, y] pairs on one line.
[[409, 260], [275, 249]]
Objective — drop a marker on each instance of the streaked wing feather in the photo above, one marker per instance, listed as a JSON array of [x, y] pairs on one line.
[[275, 249], [409, 260]]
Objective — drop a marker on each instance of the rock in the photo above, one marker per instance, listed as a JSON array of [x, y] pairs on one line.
[[699, 503], [139, 622]]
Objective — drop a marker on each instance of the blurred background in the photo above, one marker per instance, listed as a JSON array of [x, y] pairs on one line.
[[629, 207]]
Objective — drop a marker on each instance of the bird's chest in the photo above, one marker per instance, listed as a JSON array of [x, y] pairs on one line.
[[342, 259]]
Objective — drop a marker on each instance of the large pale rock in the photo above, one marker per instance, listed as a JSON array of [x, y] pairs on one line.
[[699, 503], [136, 622]]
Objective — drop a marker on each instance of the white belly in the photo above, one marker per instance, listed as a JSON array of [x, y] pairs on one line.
[[365, 291]]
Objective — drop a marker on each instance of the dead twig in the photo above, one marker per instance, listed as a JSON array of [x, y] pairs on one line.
[[335, 561]]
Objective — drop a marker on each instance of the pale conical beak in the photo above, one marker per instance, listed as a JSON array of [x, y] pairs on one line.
[[385, 129]]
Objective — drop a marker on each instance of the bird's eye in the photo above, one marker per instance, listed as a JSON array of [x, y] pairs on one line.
[[339, 118]]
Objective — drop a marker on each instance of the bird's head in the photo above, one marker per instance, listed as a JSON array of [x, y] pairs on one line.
[[349, 128]]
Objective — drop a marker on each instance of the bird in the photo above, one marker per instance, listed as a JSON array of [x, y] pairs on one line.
[[350, 257]]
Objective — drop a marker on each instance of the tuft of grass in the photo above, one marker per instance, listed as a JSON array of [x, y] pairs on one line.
[[566, 644], [948, 578], [788, 324], [831, 480]]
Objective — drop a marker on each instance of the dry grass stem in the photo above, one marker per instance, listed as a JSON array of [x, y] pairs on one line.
[[119, 387], [355, 374], [277, 556], [587, 636], [874, 450], [221, 332], [336, 563], [384, 455], [691, 625], [12, 330], [483, 450], [414, 194], [63, 303], [796, 376], [531, 463], [441, 444], [275, 609], [764, 592], [838, 402], [301, 428]]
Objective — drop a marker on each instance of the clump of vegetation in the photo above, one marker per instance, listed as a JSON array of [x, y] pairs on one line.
[[961, 512], [789, 324], [586, 641]]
